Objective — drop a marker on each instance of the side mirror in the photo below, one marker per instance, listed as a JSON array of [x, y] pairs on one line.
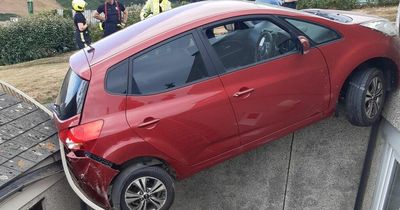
[[304, 45]]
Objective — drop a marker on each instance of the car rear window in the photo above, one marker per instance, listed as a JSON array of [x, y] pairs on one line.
[[71, 97], [317, 33]]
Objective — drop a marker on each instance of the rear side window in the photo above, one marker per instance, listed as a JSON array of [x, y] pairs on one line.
[[170, 66], [71, 97], [117, 78], [318, 34]]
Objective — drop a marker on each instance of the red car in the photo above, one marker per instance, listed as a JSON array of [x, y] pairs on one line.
[[194, 86]]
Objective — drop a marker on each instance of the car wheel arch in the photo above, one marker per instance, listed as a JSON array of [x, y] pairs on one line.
[[144, 162], [387, 65], [148, 161]]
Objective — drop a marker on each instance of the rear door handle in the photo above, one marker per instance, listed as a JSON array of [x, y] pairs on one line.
[[243, 92], [148, 122]]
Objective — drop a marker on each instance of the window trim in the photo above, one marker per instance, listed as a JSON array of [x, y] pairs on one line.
[[207, 62], [214, 56], [340, 36]]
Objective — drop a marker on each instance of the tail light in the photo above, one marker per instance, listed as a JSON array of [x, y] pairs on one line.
[[75, 137]]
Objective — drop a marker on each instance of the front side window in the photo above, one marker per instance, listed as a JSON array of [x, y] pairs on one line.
[[317, 33], [246, 42], [170, 66]]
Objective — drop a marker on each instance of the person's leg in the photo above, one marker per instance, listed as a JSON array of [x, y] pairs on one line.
[[110, 29], [88, 40], [78, 41]]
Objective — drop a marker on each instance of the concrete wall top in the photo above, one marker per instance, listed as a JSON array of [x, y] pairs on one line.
[[392, 109]]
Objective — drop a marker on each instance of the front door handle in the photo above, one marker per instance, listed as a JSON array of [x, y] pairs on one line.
[[148, 122], [243, 92]]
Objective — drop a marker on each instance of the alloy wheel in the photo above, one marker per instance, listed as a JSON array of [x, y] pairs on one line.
[[374, 97], [146, 193]]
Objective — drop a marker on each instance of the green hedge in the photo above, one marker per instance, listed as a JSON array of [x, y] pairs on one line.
[[324, 4], [36, 37], [342, 4]]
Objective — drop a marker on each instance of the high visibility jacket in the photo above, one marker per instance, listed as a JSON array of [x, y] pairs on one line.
[[152, 7]]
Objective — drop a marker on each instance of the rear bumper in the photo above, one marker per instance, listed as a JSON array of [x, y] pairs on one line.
[[89, 179]]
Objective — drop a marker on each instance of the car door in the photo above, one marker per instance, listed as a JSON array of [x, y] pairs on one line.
[[270, 84], [178, 104]]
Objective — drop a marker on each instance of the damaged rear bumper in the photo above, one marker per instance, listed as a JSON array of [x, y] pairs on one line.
[[88, 178]]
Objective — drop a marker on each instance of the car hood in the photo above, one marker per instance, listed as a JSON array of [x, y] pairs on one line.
[[340, 16]]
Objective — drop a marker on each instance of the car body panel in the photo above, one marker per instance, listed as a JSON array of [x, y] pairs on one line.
[[282, 87], [80, 65], [197, 118], [94, 177]]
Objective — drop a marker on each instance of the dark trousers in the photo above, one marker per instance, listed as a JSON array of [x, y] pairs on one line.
[[82, 39], [292, 5], [110, 28]]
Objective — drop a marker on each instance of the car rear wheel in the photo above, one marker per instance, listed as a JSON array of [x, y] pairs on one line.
[[365, 97], [150, 188]]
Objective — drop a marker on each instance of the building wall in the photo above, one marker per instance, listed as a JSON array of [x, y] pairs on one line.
[[391, 120]]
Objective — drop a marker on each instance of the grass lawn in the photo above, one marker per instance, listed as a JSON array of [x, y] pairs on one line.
[[41, 79], [389, 12]]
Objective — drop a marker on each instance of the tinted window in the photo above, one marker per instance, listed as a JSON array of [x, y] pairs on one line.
[[317, 33], [117, 78], [71, 97], [242, 43], [169, 66]]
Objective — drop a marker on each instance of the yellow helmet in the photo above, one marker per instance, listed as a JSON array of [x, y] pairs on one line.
[[78, 5]]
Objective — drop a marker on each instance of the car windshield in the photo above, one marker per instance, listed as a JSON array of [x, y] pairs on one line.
[[72, 94]]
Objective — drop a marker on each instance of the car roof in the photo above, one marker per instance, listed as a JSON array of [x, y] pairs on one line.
[[142, 34]]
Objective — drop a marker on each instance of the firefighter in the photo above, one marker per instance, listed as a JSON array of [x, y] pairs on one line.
[[115, 16], [154, 7], [82, 36]]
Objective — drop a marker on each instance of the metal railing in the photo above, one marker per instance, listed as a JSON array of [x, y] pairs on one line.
[[11, 90]]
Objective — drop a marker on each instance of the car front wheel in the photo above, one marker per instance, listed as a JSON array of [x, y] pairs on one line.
[[150, 188], [365, 97]]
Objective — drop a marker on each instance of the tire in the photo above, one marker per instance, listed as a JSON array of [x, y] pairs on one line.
[[363, 103], [126, 185]]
